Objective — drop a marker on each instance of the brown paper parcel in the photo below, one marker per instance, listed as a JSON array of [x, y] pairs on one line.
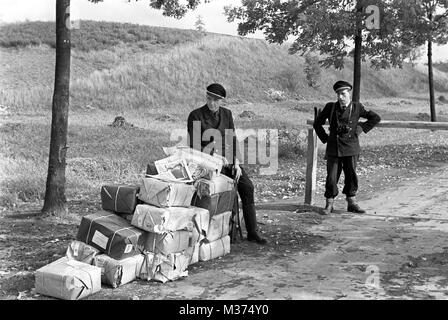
[[165, 193], [219, 184], [119, 198], [169, 242], [68, 279], [81, 251], [118, 272], [111, 234], [164, 268], [161, 220], [219, 226], [215, 249]]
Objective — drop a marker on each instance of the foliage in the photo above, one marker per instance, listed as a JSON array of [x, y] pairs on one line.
[[199, 24], [327, 27], [312, 70]]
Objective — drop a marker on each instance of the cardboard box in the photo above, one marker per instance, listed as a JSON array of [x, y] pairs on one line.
[[68, 279], [111, 234], [217, 203], [205, 188], [169, 242], [119, 198], [118, 272], [219, 226], [215, 249], [81, 251], [161, 220], [162, 193]]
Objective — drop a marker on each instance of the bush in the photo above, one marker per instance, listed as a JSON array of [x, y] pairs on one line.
[[291, 143]]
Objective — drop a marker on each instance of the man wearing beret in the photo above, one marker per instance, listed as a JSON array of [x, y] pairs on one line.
[[212, 117], [342, 152]]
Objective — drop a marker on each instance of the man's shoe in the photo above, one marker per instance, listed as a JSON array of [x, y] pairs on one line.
[[328, 207], [353, 206], [255, 237]]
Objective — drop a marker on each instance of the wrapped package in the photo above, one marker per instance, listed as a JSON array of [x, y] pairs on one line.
[[219, 226], [168, 242], [217, 203], [162, 193], [203, 161], [221, 183], [81, 251], [215, 249], [161, 220], [163, 268], [68, 279], [175, 166], [111, 234], [119, 198], [118, 272]]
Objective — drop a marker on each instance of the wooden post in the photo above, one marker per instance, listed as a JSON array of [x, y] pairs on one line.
[[311, 167]]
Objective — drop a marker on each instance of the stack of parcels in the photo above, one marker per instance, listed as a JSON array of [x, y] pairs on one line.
[[150, 231], [217, 196]]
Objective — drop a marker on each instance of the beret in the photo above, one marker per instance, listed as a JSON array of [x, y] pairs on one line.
[[341, 85], [216, 90]]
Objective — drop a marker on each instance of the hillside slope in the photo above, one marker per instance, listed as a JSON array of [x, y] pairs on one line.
[[138, 67]]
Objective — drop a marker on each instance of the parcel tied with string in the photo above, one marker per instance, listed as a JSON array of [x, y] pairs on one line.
[[168, 242], [163, 193], [111, 234], [163, 268], [119, 198], [161, 220], [215, 249], [221, 183], [68, 279], [118, 272]]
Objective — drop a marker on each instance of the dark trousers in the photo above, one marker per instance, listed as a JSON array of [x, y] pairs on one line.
[[245, 189], [335, 165]]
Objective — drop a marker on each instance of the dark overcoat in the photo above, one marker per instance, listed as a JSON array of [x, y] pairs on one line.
[[346, 143]]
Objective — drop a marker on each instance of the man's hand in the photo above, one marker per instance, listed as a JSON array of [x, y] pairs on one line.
[[237, 172]]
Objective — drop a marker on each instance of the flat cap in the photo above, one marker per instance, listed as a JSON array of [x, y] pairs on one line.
[[216, 90], [341, 85]]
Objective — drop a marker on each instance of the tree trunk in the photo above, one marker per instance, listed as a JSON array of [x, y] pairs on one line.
[[432, 100], [357, 57], [55, 199]]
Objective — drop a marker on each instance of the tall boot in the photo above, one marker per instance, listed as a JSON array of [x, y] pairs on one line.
[[352, 206], [250, 219], [328, 206]]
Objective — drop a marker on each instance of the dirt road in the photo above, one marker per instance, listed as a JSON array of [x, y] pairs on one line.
[[397, 250]]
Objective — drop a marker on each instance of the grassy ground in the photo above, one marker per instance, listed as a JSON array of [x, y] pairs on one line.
[[154, 77]]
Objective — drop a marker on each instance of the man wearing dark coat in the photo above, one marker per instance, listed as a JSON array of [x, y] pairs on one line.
[[211, 130], [342, 152]]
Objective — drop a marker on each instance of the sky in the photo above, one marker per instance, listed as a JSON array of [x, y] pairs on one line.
[[138, 12]]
